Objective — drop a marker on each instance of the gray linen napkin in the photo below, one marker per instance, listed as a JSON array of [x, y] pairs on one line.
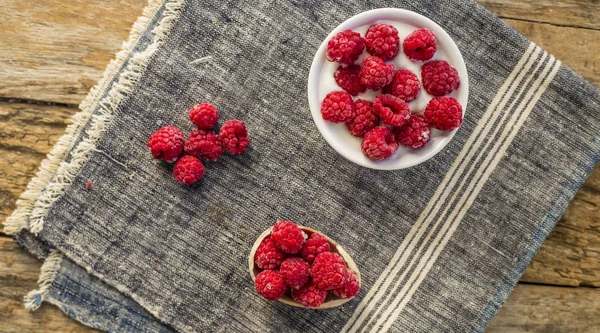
[[440, 246]]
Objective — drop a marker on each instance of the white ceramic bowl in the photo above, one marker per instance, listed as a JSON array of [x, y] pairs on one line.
[[321, 82]]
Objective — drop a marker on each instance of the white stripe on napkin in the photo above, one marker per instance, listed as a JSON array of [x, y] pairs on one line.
[[500, 100], [469, 197], [459, 189]]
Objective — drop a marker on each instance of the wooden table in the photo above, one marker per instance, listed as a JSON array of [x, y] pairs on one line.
[[51, 53]]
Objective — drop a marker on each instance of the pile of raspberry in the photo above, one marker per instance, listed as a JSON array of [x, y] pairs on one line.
[[168, 143], [387, 122], [303, 266]]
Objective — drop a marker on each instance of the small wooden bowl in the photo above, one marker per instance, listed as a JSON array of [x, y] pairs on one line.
[[332, 300]]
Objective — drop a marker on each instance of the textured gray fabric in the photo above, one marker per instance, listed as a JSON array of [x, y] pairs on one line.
[[201, 235], [89, 300]]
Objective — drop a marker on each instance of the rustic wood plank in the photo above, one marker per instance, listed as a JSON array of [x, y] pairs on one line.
[[57, 51], [574, 13], [571, 254], [546, 309], [576, 48], [27, 133], [19, 272]]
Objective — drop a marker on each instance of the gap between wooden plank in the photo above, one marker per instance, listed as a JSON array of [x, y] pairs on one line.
[[516, 18]]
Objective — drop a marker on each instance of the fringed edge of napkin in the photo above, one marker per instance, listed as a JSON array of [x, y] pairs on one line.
[[96, 112], [51, 265], [97, 109]]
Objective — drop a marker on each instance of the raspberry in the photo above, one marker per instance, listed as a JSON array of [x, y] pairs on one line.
[[444, 113], [188, 170], [382, 40], [405, 85], [338, 107], [366, 118], [420, 45], [296, 272], [350, 289], [375, 73], [267, 255], [345, 47], [414, 133], [329, 271], [234, 136], [379, 143], [204, 143], [439, 78], [288, 236], [166, 144], [316, 244], [392, 110], [204, 115], [347, 78], [270, 285], [310, 296]]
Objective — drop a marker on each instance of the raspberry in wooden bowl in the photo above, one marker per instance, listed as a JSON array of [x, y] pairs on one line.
[[302, 267]]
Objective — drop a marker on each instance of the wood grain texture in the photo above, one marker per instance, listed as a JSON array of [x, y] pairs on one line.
[[57, 51], [570, 256], [573, 13], [27, 133], [545, 309], [576, 48]]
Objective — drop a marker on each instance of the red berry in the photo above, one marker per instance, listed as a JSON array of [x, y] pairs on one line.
[[382, 40], [234, 136], [347, 78], [288, 237], [329, 271], [205, 144], [345, 47], [270, 285], [414, 133], [350, 289], [166, 144], [420, 45], [405, 85], [338, 107], [439, 78], [310, 296], [379, 143], [392, 110], [366, 118], [316, 244], [268, 256], [375, 73], [204, 115], [296, 272], [188, 170], [444, 113]]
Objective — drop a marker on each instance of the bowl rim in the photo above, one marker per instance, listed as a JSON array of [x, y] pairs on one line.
[[336, 247], [352, 23]]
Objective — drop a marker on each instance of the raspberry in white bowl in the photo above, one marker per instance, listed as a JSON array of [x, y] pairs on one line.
[[428, 47]]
